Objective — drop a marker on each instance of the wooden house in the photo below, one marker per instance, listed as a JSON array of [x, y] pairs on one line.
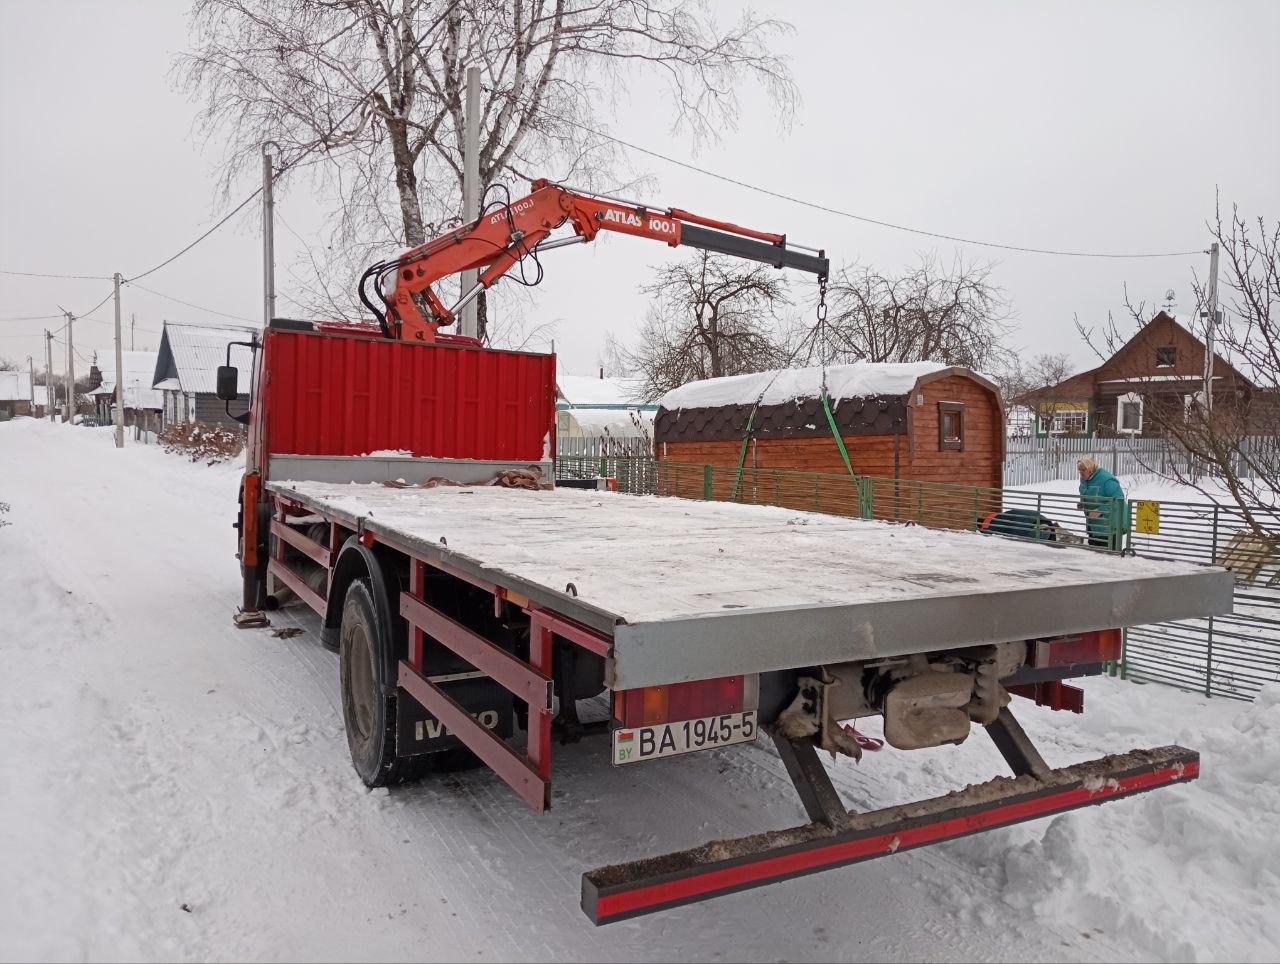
[[186, 373], [142, 403], [1161, 367], [917, 421], [16, 395]]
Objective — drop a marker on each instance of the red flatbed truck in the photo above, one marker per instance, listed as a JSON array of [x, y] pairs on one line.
[[471, 618]]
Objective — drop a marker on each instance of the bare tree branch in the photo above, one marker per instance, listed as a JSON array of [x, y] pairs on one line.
[[290, 70], [710, 316]]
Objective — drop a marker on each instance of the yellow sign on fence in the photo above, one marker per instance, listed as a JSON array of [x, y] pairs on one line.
[[1147, 517]]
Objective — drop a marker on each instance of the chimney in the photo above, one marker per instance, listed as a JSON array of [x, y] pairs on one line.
[[602, 373]]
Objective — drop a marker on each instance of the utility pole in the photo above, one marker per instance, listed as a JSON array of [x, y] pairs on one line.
[[268, 237], [31, 383], [119, 368], [48, 374], [133, 323], [1211, 323], [470, 322], [71, 371]]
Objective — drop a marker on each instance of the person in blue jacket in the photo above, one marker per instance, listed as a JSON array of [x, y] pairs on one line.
[[1101, 500]]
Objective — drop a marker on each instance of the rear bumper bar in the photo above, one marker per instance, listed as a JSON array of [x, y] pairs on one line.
[[642, 887]]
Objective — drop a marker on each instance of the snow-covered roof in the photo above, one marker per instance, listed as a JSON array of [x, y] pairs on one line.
[[578, 390], [614, 422], [192, 354], [139, 369], [859, 380], [15, 386]]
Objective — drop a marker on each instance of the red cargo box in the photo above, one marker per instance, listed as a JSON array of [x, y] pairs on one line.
[[340, 394]]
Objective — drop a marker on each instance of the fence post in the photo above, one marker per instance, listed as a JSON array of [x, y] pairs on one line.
[[706, 482], [1208, 651]]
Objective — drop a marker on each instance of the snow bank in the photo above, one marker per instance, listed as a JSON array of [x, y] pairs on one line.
[[1191, 874], [859, 380]]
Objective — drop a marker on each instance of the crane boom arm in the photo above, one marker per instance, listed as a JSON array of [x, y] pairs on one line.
[[499, 239]]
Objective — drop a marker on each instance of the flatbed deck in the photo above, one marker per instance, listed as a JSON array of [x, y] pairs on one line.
[[696, 590]]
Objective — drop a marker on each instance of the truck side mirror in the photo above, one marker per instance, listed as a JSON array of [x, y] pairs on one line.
[[228, 383]]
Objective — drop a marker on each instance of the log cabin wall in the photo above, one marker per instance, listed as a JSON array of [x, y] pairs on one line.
[[981, 461], [915, 454]]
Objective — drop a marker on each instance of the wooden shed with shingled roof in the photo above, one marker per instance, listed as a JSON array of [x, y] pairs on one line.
[[919, 420]]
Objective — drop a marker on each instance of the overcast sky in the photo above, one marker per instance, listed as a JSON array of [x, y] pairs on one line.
[[1089, 126]]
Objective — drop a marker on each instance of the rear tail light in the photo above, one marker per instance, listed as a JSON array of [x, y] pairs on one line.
[[1096, 647], [681, 701]]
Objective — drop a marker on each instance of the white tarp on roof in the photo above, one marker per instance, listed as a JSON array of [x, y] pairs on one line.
[[15, 386], [859, 380], [584, 390], [192, 354], [139, 369], [600, 422]]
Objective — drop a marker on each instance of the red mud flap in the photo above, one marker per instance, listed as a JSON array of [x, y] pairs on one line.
[[723, 867]]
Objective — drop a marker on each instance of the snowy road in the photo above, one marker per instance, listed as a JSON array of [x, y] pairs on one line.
[[172, 788]]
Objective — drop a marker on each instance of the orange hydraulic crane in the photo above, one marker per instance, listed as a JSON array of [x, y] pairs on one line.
[[504, 237]]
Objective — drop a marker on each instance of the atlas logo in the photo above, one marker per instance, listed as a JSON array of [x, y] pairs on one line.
[[633, 220], [512, 211]]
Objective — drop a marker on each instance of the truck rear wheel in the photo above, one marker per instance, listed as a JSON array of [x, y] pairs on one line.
[[369, 716]]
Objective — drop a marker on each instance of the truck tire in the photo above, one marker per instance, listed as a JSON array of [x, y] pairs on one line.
[[369, 716]]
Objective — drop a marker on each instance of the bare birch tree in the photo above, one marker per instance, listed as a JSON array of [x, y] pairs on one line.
[[290, 71], [931, 312], [710, 316]]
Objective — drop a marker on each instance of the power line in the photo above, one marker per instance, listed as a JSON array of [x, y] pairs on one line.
[[85, 314], [234, 211], [868, 220], [286, 165], [47, 274], [32, 318], [189, 304]]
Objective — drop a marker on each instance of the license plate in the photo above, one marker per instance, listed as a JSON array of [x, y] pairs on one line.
[[669, 739]]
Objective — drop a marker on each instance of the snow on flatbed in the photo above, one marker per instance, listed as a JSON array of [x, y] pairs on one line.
[[837, 588]]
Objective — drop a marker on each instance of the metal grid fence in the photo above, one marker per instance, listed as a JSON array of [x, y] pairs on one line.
[[1234, 655], [1231, 656]]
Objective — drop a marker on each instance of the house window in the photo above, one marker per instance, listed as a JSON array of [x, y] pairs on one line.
[[1166, 357], [1073, 422], [950, 427], [1129, 414]]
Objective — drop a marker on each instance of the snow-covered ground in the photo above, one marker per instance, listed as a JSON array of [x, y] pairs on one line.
[[1145, 486], [173, 788]]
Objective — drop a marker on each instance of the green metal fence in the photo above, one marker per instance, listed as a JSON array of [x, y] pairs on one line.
[[1039, 516], [1232, 656]]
